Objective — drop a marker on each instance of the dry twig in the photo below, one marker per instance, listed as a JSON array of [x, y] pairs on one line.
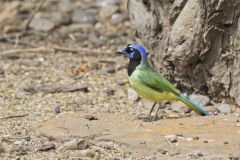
[[33, 14], [20, 50], [53, 89], [14, 116]]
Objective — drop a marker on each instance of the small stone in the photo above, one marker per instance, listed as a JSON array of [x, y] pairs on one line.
[[196, 138], [120, 93], [101, 3], [90, 117], [46, 147], [1, 71], [82, 16], [21, 149], [19, 142], [205, 141], [119, 17], [108, 11], [225, 142], [109, 91], [1, 149], [173, 139], [21, 158], [196, 154], [132, 94], [224, 108], [162, 151], [121, 82], [113, 158], [199, 99], [76, 144], [179, 107], [84, 153], [57, 110], [234, 157], [110, 69], [41, 23], [211, 109], [88, 153], [143, 142]]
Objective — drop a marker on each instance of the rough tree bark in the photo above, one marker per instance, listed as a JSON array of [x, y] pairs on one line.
[[195, 43]]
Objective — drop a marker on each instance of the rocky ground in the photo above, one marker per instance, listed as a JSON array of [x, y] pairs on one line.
[[64, 94]]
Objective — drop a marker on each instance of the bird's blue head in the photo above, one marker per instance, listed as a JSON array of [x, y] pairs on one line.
[[135, 52]]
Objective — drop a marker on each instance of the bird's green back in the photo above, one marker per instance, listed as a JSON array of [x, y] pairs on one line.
[[153, 79]]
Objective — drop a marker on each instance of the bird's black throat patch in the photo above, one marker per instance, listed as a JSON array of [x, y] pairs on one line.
[[134, 62], [132, 66]]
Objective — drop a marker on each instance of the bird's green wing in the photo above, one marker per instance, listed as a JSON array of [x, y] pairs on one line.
[[154, 80]]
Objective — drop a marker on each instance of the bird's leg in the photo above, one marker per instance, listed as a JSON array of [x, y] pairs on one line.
[[151, 110], [148, 118], [156, 115]]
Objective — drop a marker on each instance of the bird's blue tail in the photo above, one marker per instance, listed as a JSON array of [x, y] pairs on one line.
[[198, 109]]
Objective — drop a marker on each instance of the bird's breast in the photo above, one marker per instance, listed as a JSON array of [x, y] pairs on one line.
[[147, 92]]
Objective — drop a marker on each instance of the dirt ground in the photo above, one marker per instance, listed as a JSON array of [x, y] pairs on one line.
[[64, 94]]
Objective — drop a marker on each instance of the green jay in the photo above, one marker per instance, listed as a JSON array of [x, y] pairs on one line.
[[152, 85]]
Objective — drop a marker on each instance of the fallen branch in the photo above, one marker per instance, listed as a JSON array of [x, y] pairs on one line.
[[52, 89], [85, 50], [20, 50], [14, 116]]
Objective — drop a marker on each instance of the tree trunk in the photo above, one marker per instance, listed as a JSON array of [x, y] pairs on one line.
[[194, 43]]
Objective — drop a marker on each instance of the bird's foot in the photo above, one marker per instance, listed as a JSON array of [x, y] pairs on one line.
[[151, 118]]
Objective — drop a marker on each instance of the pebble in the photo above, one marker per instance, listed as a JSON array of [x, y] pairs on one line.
[[48, 21], [41, 23], [118, 18], [199, 99], [84, 153], [110, 69], [120, 93], [21, 149], [46, 147], [211, 109], [225, 142], [173, 139], [196, 154], [66, 5], [90, 117], [108, 11], [57, 109], [81, 16], [1, 149], [101, 3], [205, 141], [179, 107], [162, 151], [132, 94], [109, 91], [76, 144], [196, 138], [234, 157], [113, 158], [224, 108], [122, 82]]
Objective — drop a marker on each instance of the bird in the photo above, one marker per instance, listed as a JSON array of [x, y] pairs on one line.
[[150, 84]]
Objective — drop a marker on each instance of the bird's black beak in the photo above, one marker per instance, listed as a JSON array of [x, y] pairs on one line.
[[119, 52], [122, 52]]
